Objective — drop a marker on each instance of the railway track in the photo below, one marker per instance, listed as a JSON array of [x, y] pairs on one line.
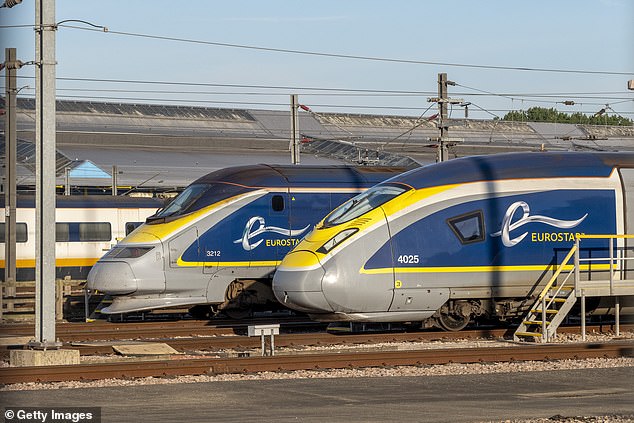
[[71, 332], [94, 331], [213, 366], [197, 337]]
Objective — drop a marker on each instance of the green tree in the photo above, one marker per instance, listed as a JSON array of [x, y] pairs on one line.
[[542, 114]]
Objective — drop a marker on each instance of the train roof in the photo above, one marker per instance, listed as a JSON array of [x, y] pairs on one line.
[[275, 176], [91, 201], [516, 166]]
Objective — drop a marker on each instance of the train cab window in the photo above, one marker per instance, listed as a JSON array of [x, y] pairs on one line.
[[277, 203], [468, 227], [363, 203], [21, 234], [196, 197]]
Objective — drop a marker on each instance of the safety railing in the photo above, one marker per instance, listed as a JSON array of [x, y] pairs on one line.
[[615, 266]]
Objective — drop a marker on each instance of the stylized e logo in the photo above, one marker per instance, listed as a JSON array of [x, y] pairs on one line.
[[251, 232], [507, 226]]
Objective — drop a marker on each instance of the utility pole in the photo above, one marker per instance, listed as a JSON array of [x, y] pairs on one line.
[[115, 175], [11, 65], [45, 175], [442, 153], [294, 145]]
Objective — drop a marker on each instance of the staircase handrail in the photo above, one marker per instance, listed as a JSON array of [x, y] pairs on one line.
[[555, 275]]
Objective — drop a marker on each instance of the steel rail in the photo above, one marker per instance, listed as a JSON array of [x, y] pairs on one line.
[[68, 332], [214, 366], [220, 343]]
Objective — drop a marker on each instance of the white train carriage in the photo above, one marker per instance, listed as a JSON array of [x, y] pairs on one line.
[[86, 228]]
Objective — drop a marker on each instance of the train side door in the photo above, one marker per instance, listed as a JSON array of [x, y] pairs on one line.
[[413, 288], [185, 247], [184, 269], [278, 240]]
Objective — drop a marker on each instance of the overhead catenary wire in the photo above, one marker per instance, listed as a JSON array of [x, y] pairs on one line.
[[308, 90], [105, 30], [346, 56], [241, 104]]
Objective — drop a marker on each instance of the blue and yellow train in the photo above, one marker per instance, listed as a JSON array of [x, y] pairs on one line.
[[217, 244], [455, 240]]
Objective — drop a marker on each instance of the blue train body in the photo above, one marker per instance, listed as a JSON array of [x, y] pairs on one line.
[[469, 237]]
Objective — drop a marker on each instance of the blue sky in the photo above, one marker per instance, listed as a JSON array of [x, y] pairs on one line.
[[566, 34]]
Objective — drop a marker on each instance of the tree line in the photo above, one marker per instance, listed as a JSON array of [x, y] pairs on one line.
[[542, 114]]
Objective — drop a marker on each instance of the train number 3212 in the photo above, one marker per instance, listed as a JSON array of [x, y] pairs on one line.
[[213, 253], [408, 259]]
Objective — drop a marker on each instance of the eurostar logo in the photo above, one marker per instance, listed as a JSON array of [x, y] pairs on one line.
[[257, 226], [508, 225]]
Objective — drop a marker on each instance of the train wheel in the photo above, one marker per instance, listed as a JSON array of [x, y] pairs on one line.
[[201, 311], [452, 322], [237, 313]]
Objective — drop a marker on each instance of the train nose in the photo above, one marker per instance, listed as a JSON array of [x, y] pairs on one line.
[[297, 283], [114, 278]]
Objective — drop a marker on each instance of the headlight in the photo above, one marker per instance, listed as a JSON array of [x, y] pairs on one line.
[[128, 252], [336, 240]]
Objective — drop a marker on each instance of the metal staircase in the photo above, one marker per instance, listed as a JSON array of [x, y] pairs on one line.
[[603, 276], [551, 307]]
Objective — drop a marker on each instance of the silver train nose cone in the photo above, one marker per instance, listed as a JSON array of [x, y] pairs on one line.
[[299, 287], [115, 278]]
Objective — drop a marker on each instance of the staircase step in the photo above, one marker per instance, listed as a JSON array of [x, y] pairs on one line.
[[533, 322], [556, 300], [533, 334], [537, 311]]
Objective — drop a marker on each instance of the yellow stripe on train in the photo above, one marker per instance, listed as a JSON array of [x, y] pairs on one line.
[[476, 269], [66, 262]]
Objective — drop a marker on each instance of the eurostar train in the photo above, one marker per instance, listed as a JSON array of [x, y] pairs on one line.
[[86, 228], [216, 245], [447, 242]]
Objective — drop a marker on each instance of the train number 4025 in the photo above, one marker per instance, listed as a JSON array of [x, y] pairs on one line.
[[408, 259]]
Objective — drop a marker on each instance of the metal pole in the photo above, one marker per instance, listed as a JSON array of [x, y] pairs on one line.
[[295, 159], [10, 134], [114, 180], [67, 181], [617, 315], [442, 109], [544, 328], [611, 249], [583, 315], [577, 270], [45, 175]]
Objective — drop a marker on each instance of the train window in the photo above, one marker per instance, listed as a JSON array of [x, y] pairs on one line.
[[195, 197], [83, 232], [21, 234], [363, 203], [94, 232], [277, 203], [62, 232], [468, 227]]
